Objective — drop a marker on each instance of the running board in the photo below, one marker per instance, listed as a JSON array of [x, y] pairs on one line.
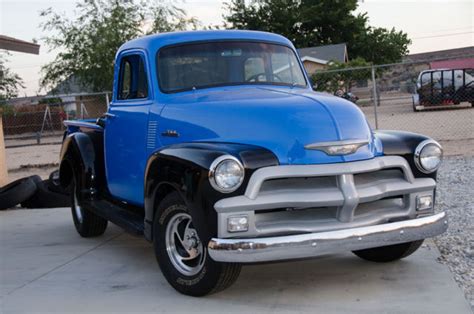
[[130, 221]]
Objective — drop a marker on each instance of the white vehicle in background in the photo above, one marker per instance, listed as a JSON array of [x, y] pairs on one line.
[[443, 87]]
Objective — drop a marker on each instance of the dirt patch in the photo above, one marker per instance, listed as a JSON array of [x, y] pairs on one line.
[[43, 172], [458, 147]]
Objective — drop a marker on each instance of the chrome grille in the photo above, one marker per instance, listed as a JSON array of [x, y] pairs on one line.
[[347, 194]]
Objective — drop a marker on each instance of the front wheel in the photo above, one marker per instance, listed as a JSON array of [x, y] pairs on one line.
[[389, 253], [182, 256]]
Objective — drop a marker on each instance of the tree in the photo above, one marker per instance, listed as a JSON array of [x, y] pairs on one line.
[[309, 23], [338, 76], [10, 82], [381, 46], [88, 43]]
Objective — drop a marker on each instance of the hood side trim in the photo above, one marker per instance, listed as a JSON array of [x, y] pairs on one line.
[[351, 145]]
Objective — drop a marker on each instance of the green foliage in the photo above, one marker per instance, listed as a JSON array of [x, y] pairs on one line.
[[337, 77], [309, 23], [88, 43], [10, 82], [6, 110], [50, 101], [380, 46]]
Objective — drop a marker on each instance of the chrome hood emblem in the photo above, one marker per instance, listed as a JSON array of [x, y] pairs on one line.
[[338, 147]]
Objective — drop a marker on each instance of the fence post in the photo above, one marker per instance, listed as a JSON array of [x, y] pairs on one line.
[[3, 162], [107, 100], [82, 107], [374, 96]]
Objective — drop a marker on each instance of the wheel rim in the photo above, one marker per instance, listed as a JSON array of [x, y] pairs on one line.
[[77, 208], [185, 249]]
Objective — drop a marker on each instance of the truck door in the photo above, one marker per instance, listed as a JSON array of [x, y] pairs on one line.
[[126, 127]]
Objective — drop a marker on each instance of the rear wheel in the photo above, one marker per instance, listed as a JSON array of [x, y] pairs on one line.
[[182, 256], [86, 222], [389, 253]]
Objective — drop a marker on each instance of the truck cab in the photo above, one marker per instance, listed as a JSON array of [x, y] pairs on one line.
[[216, 149]]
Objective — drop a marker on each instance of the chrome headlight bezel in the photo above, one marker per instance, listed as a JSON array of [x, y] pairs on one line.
[[219, 161], [418, 155]]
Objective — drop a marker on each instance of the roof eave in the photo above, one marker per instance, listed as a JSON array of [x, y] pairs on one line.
[[12, 44], [316, 60]]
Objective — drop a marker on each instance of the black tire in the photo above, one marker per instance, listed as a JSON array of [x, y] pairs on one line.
[[44, 198], [389, 253], [16, 192], [87, 223], [210, 276]]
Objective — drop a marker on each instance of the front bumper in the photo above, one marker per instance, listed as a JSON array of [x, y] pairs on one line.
[[322, 243]]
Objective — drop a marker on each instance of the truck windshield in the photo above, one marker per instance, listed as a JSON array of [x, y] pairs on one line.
[[203, 65]]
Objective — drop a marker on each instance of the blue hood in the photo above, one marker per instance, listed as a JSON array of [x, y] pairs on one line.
[[282, 120]]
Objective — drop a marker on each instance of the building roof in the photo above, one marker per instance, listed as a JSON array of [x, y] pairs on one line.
[[439, 54], [324, 54], [453, 64], [13, 44]]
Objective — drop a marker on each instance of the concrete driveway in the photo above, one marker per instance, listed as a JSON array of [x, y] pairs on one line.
[[46, 267]]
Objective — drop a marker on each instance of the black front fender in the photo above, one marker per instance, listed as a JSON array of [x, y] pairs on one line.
[[403, 144], [185, 168], [82, 158]]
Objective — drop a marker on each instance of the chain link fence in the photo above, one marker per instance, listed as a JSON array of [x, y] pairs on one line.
[[39, 119], [408, 97], [33, 129]]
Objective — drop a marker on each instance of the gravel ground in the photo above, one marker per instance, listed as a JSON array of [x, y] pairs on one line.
[[43, 171], [456, 196], [32, 156], [446, 124]]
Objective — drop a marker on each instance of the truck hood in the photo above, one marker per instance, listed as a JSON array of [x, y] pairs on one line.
[[282, 120]]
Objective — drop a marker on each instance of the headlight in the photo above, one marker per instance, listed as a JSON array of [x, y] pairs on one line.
[[428, 155], [226, 174]]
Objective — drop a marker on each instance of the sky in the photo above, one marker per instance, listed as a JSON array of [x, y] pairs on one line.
[[432, 25]]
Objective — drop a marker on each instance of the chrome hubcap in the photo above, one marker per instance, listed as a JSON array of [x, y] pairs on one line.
[[183, 245], [77, 208]]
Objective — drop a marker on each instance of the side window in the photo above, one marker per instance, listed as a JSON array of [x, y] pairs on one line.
[[125, 81], [133, 82]]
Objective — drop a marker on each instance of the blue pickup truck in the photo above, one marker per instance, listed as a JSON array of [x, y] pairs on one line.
[[216, 149]]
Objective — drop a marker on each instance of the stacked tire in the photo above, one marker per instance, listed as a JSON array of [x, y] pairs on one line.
[[16, 192], [33, 192]]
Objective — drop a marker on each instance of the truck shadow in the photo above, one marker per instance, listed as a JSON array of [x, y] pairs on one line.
[[341, 274]]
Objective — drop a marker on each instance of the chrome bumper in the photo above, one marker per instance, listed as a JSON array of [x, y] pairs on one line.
[[321, 243]]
